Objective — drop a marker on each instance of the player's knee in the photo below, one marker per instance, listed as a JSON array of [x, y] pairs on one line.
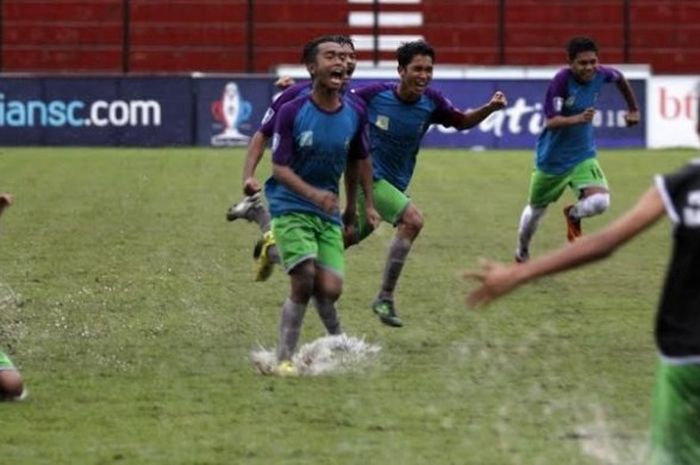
[[599, 202], [11, 385], [302, 278], [412, 221], [329, 286]]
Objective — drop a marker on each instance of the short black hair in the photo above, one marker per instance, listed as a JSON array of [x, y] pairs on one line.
[[580, 44], [407, 50], [308, 54], [345, 40]]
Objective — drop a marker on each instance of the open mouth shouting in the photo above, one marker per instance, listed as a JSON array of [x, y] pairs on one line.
[[338, 76]]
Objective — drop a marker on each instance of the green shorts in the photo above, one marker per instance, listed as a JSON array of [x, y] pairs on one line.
[[547, 188], [304, 236], [675, 428], [5, 362], [389, 202]]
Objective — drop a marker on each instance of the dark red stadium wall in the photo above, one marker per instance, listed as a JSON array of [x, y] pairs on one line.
[[216, 35], [51, 36]]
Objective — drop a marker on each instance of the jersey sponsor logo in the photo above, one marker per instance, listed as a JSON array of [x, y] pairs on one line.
[[382, 122], [691, 212], [306, 139]]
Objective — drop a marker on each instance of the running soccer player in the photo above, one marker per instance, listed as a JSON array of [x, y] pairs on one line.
[[251, 207], [566, 151], [317, 137], [399, 115], [676, 400]]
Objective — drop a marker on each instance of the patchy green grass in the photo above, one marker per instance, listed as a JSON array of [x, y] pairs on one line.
[[128, 303]]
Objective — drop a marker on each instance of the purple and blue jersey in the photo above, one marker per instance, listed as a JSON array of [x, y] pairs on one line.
[[561, 149], [316, 145], [397, 128], [267, 125]]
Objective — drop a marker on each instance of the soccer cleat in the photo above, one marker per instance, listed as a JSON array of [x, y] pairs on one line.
[[244, 207], [286, 369], [573, 226], [521, 256], [263, 263], [387, 313]]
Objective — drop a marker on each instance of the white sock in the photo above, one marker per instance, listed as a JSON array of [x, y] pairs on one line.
[[529, 220], [592, 205]]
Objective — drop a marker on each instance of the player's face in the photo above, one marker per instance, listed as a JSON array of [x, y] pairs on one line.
[[330, 68], [351, 61], [416, 76], [584, 65]]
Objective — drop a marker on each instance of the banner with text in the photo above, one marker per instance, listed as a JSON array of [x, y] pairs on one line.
[[226, 111], [91, 111], [673, 111]]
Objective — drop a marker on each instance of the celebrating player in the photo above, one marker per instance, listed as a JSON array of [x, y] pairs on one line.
[[566, 151], [317, 137], [251, 207], [399, 115]]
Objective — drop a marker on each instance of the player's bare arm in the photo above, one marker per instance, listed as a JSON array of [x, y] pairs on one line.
[[497, 279], [560, 121], [633, 116], [472, 118], [367, 184], [256, 149]]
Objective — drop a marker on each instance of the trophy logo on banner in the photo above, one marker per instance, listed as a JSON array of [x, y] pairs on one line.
[[231, 111]]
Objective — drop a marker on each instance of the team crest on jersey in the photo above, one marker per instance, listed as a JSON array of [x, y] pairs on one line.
[[383, 122], [306, 139]]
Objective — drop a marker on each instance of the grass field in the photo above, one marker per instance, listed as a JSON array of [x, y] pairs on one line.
[[127, 301]]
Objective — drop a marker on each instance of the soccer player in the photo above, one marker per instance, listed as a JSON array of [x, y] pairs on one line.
[[11, 385], [676, 401], [399, 115], [566, 151], [317, 137], [251, 207]]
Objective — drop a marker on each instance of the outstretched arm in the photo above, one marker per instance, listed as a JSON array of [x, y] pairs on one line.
[[497, 279], [256, 149], [469, 119]]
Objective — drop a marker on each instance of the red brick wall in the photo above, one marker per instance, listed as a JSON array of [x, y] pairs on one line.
[[212, 35]]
